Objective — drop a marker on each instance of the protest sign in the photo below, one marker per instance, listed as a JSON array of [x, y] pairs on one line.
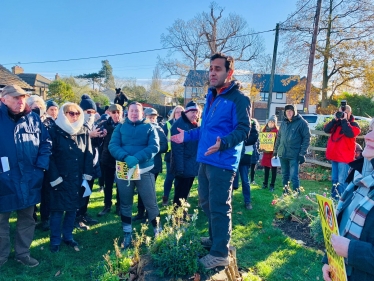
[[124, 173], [267, 141]]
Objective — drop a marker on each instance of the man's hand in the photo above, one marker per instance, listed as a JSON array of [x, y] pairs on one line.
[[178, 138], [95, 133], [214, 148], [340, 245], [131, 161], [103, 133], [301, 159], [326, 272]]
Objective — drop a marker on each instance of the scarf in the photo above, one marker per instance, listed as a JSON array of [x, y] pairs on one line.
[[63, 122], [357, 218]]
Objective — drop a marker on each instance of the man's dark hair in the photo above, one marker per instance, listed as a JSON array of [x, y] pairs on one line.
[[229, 60], [136, 103]]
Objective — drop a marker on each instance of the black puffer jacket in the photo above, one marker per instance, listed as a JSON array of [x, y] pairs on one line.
[[71, 160], [157, 168], [293, 138], [183, 156], [246, 159], [106, 158]]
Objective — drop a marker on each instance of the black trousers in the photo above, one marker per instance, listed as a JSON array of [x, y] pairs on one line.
[[182, 189], [253, 172], [44, 203], [141, 207], [108, 176], [273, 175], [83, 209]]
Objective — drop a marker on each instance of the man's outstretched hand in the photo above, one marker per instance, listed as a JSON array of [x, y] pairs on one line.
[[178, 138], [214, 148]]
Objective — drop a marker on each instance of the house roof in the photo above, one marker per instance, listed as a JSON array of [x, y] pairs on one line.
[[34, 79], [196, 78], [282, 83], [8, 78]]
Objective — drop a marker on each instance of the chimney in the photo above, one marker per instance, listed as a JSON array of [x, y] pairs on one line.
[[57, 77], [17, 69]]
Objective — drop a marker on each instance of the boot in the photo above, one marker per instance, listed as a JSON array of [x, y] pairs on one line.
[[264, 185], [127, 240], [272, 187], [105, 211], [165, 200]]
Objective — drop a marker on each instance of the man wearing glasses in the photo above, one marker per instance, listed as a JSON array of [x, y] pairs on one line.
[[108, 163], [25, 148]]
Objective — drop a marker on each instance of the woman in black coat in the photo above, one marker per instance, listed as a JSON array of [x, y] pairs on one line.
[[183, 156], [70, 164]]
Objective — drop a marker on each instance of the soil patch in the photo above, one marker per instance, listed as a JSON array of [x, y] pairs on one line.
[[299, 231]]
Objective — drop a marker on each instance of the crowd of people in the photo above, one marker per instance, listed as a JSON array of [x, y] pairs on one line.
[[52, 155]]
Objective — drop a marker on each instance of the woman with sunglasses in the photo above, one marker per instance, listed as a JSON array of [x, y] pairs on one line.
[[70, 164]]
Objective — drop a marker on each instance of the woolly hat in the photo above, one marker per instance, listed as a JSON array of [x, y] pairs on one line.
[[150, 111], [274, 119], [87, 103], [118, 91], [51, 103], [191, 106], [290, 107]]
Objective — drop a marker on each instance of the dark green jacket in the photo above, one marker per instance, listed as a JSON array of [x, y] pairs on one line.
[[293, 138]]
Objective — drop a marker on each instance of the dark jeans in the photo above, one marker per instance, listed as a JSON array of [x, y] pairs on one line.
[[290, 169], [273, 175], [168, 180], [83, 209], [24, 233], [215, 199], [246, 188], [182, 189], [67, 226], [108, 175]]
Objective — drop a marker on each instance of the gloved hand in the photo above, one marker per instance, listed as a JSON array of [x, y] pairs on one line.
[[301, 159], [275, 155], [131, 161]]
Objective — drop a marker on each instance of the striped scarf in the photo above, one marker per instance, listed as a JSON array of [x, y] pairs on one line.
[[357, 218]]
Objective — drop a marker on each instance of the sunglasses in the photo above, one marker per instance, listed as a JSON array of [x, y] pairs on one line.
[[72, 113], [91, 111], [115, 111]]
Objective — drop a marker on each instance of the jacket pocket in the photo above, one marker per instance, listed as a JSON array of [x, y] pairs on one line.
[[5, 184]]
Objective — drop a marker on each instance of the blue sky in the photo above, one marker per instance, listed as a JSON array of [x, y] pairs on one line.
[[51, 30]]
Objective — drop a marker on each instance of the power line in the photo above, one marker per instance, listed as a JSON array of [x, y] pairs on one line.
[[290, 17], [134, 52]]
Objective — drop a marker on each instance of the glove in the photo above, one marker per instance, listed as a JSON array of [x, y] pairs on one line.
[[275, 155], [301, 159], [131, 161]]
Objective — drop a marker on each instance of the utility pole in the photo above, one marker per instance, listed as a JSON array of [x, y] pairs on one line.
[[273, 68], [311, 58]]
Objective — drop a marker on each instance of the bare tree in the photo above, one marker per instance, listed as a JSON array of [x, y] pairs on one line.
[[207, 33], [344, 42]]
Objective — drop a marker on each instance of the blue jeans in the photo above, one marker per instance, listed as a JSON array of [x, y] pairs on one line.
[[290, 170], [168, 183], [246, 189], [339, 173], [67, 226], [215, 188]]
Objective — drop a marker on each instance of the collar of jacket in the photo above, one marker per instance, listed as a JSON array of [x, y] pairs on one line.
[[141, 121], [234, 85], [6, 111]]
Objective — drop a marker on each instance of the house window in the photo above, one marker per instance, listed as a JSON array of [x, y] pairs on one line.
[[264, 96], [279, 96], [194, 92]]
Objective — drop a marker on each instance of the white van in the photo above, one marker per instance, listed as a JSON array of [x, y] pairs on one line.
[[314, 119]]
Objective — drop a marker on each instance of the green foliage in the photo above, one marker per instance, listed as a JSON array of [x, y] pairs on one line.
[[135, 92], [100, 98], [106, 71], [316, 229], [61, 92], [361, 105], [176, 250]]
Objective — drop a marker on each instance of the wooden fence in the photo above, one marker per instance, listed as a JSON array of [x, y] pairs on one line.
[[316, 148]]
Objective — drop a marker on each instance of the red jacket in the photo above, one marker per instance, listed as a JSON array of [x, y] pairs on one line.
[[266, 156], [341, 145]]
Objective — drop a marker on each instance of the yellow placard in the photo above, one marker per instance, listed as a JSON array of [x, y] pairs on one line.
[[122, 171], [329, 227], [267, 141]]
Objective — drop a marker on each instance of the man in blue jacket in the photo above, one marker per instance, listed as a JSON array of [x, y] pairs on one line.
[[24, 150], [225, 125]]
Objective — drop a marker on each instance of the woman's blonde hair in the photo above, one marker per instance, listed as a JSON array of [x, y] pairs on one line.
[[71, 106], [172, 115]]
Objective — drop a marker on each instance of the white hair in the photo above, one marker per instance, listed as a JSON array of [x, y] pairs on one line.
[[34, 99]]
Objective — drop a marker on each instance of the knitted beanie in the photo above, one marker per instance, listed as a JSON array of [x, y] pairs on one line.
[[87, 103]]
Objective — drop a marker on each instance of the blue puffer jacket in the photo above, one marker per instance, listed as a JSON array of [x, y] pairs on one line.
[[226, 115], [138, 139], [27, 145]]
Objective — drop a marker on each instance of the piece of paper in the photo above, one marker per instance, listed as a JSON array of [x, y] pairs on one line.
[[249, 149], [5, 164], [87, 189], [275, 162]]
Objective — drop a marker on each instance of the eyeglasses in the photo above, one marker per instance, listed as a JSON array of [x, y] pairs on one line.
[[115, 111], [72, 113], [91, 111], [178, 112]]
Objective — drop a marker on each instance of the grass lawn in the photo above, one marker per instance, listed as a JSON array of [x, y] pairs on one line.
[[262, 249]]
